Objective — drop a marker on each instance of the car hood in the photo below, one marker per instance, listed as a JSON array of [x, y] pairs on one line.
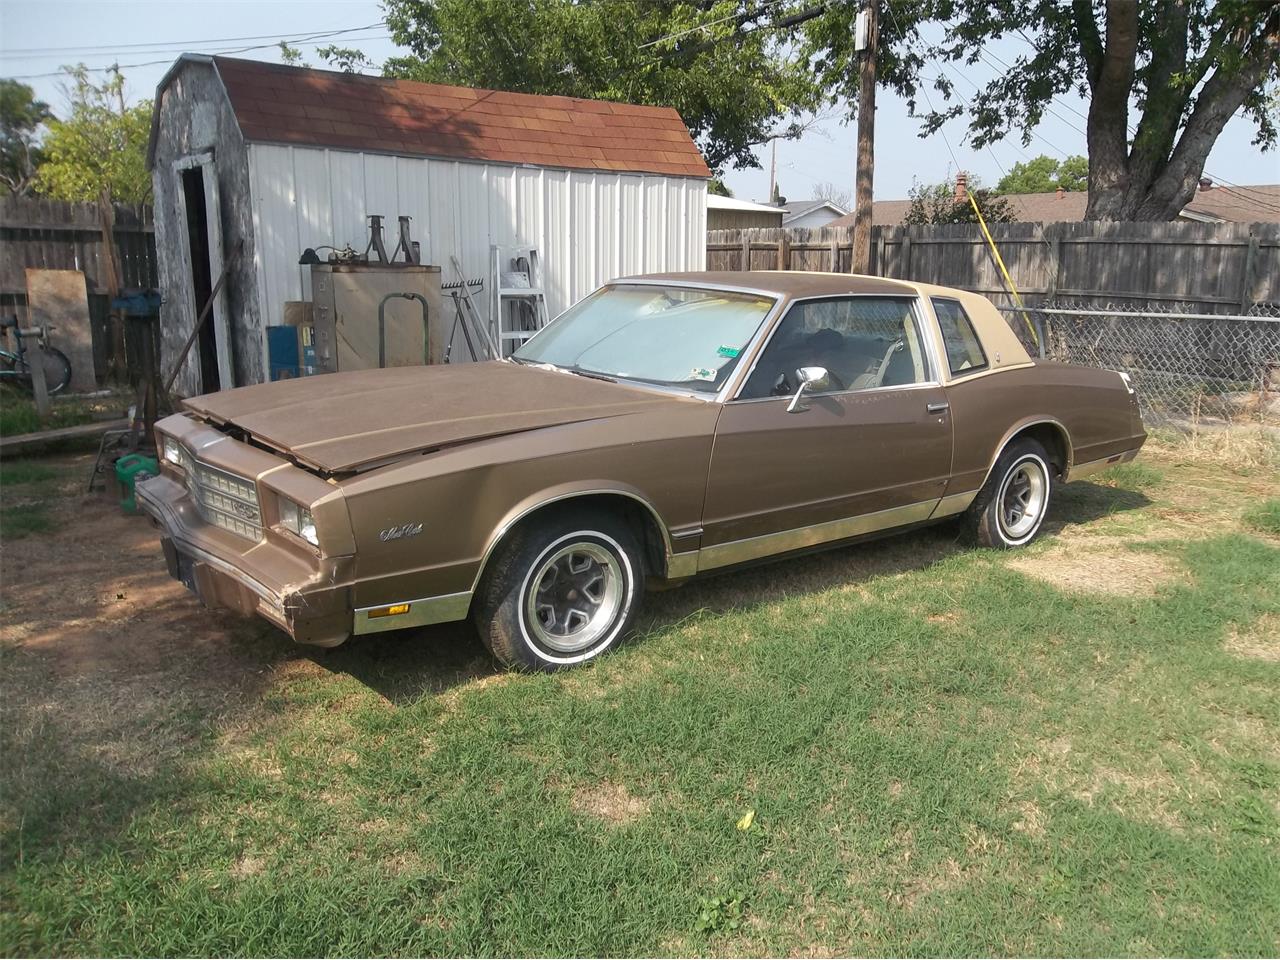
[[342, 422]]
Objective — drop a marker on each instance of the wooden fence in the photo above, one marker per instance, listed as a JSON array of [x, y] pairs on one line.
[[1210, 267], [58, 235]]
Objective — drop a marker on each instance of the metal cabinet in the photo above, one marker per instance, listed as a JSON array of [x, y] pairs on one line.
[[346, 298]]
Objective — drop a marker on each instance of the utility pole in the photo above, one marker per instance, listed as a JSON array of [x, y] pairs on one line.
[[773, 170], [866, 142]]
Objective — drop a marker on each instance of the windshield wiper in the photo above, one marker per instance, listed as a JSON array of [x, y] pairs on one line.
[[590, 375]]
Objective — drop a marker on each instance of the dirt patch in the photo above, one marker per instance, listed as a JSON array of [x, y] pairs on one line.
[[105, 647], [247, 866], [1258, 641], [610, 802], [1099, 564], [1030, 819], [1146, 792]]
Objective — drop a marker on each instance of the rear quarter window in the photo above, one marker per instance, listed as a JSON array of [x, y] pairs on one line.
[[964, 349]]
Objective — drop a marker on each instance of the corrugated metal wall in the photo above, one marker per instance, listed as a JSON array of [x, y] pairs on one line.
[[588, 227]]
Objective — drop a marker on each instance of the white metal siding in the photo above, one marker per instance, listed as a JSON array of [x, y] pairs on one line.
[[588, 227]]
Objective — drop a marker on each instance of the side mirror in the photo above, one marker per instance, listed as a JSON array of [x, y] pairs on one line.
[[811, 378]]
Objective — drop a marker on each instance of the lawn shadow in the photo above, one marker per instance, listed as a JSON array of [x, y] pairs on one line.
[[406, 665], [1085, 501]]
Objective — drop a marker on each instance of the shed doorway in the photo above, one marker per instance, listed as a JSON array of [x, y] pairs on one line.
[[202, 242]]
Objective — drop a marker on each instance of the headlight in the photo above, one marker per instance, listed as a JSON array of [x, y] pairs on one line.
[[297, 519], [172, 451]]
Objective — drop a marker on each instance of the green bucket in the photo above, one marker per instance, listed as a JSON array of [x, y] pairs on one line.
[[129, 470]]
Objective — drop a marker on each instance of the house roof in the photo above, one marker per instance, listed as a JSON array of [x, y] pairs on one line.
[[1255, 204], [798, 209], [274, 103], [717, 202]]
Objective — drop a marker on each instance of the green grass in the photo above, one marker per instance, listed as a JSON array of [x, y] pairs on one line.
[[15, 473], [1264, 517], [28, 491], [943, 756], [18, 411], [24, 519], [1133, 476]]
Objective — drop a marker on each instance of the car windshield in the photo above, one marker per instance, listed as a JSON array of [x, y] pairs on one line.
[[671, 336]]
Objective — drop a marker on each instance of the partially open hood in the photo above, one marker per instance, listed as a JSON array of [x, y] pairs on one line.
[[347, 421]]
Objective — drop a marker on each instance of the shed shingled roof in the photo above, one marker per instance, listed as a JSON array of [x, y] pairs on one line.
[[274, 103]]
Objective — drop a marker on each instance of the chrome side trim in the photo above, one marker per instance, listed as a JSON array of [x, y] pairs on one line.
[[422, 613], [682, 565], [1082, 470], [990, 371], [954, 503], [926, 385], [769, 544]]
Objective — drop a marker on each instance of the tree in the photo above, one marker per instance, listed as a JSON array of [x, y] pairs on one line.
[[1183, 66], [21, 117], [1045, 175], [722, 63], [291, 56], [100, 148], [346, 59], [718, 187], [833, 194], [939, 203]]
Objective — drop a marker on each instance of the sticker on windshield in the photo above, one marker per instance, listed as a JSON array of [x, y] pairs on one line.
[[728, 352], [702, 373]]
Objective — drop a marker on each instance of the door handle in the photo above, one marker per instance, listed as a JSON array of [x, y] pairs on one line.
[[938, 407]]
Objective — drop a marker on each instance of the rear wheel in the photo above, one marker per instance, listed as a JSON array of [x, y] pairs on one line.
[[57, 370], [1010, 509], [563, 589]]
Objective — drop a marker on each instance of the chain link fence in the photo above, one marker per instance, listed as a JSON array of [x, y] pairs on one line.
[[1190, 369]]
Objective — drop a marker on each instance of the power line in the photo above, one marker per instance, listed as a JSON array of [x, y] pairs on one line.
[[309, 40], [32, 52], [702, 26]]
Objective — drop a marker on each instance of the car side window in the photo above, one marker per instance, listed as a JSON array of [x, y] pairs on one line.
[[863, 342], [964, 349]]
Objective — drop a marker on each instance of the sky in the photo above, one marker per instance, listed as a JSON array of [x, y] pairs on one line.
[[38, 36]]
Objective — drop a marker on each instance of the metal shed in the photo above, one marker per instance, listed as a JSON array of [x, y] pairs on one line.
[[256, 162]]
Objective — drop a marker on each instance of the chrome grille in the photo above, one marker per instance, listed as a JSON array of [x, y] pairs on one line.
[[223, 499]]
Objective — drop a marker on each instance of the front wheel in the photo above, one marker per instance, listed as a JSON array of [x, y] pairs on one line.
[[561, 590], [1010, 509]]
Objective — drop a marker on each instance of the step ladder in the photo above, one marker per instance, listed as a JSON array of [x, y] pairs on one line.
[[519, 305]]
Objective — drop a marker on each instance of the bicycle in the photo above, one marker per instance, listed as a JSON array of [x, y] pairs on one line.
[[14, 366]]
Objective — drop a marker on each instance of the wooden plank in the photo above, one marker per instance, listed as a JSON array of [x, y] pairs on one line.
[[59, 300], [26, 442]]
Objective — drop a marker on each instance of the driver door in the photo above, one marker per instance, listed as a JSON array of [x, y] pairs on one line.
[[869, 450]]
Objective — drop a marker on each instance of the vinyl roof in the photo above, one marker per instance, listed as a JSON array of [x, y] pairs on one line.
[[274, 103], [790, 283]]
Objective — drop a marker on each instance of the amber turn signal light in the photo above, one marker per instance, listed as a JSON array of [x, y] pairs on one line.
[[394, 610]]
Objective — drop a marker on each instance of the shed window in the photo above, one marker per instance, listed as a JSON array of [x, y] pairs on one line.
[[964, 349]]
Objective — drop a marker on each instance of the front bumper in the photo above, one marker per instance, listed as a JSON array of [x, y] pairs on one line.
[[307, 597]]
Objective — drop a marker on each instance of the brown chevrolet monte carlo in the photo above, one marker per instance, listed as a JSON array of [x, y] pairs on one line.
[[665, 426]]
